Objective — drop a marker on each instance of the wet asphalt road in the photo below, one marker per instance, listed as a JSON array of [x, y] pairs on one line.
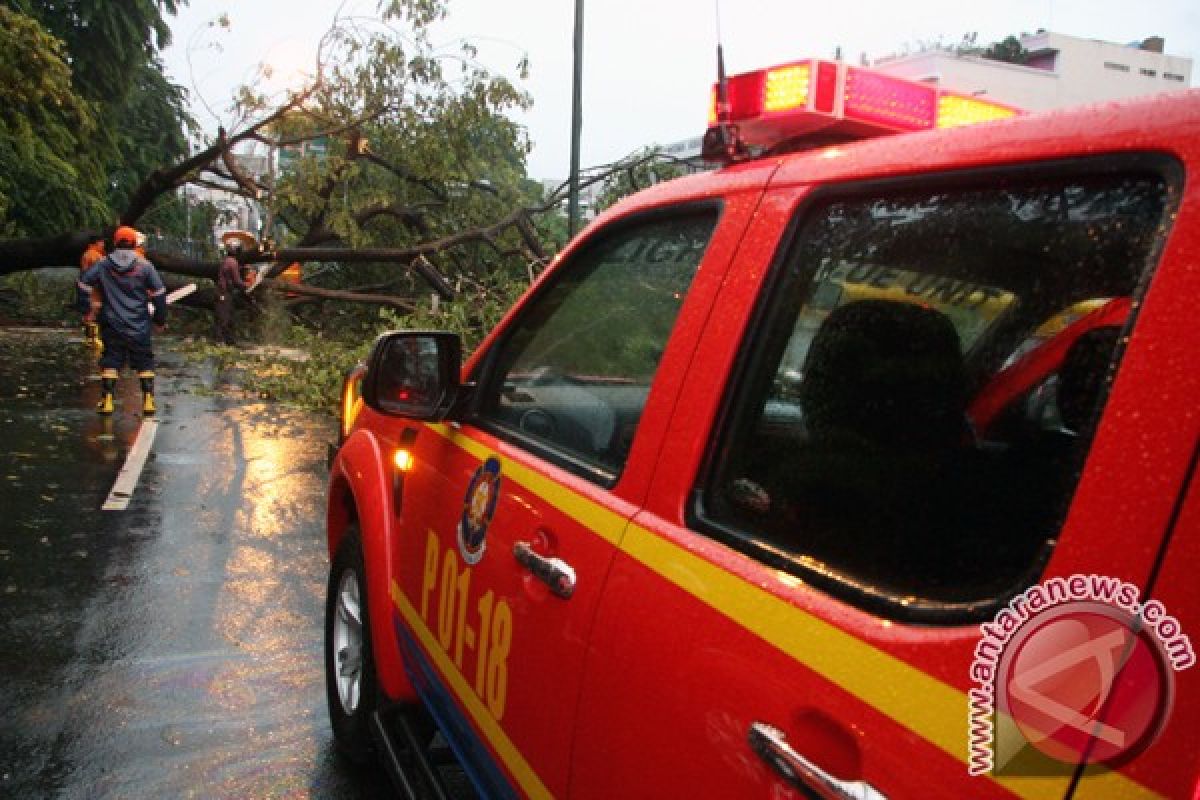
[[172, 649]]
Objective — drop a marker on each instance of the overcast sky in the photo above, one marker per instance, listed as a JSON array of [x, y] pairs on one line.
[[648, 64]]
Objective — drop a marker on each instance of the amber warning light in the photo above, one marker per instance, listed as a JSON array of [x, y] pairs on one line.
[[403, 460], [814, 102]]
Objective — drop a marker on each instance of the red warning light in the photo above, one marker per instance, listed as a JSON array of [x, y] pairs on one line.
[[826, 94], [902, 104], [823, 101]]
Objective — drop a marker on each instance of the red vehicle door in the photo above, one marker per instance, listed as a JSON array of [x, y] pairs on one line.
[[510, 519], [797, 610], [1177, 593]]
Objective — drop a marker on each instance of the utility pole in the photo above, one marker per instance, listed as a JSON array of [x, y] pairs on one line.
[[576, 123], [268, 230], [189, 246]]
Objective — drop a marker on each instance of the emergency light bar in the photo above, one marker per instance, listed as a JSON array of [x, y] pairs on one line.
[[831, 99]]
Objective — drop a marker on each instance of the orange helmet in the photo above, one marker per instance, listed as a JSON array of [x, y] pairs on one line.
[[125, 236]]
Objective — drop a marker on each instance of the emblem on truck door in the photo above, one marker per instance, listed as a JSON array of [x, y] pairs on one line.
[[478, 507]]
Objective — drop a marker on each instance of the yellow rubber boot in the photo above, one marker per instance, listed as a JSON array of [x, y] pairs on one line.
[[147, 379], [108, 385]]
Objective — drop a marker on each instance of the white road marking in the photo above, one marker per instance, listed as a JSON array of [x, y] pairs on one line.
[[127, 478]]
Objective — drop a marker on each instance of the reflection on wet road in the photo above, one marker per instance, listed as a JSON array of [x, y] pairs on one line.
[[172, 649]]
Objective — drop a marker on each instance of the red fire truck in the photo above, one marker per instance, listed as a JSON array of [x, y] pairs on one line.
[[865, 470]]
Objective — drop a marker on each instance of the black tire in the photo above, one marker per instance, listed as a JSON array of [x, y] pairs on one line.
[[349, 711]]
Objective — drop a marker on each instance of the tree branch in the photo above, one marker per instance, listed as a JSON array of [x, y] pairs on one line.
[[237, 173], [168, 178], [404, 174], [333, 294], [237, 187], [410, 255], [219, 187], [407, 215]]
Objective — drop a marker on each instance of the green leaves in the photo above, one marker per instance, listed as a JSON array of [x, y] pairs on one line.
[[106, 39], [85, 110], [419, 14], [442, 155], [44, 186]]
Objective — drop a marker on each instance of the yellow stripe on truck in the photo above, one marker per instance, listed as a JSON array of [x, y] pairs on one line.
[[925, 705], [934, 710], [531, 785], [601, 521]]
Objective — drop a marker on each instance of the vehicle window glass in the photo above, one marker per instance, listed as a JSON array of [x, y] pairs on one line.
[[919, 400], [575, 370]]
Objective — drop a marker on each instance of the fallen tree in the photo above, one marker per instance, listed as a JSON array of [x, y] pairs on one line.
[[418, 183]]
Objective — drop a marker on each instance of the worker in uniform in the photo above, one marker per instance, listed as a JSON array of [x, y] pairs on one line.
[[129, 285], [91, 254], [229, 277]]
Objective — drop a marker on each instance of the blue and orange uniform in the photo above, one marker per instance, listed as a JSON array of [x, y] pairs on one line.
[[93, 253], [128, 283]]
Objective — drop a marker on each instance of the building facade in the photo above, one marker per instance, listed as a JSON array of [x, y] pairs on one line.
[[1061, 71]]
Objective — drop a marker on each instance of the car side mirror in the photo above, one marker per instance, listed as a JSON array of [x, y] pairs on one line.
[[414, 374]]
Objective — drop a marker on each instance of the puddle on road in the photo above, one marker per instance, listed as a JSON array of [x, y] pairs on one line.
[[174, 649]]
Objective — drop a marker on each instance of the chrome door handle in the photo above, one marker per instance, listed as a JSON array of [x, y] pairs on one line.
[[554, 572], [771, 745]]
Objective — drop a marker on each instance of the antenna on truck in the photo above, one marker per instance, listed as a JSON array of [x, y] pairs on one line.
[[721, 142]]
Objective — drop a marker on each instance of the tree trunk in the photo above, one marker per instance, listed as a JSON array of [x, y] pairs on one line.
[[64, 250], [17, 255], [409, 256]]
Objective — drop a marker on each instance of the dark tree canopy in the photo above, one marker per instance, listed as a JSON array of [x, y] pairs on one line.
[[106, 39], [135, 116], [1009, 49], [44, 185]]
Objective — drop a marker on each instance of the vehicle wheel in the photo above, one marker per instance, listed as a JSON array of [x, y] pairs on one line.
[[350, 686]]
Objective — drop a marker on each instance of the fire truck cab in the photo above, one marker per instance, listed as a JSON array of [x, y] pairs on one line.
[[720, 507]]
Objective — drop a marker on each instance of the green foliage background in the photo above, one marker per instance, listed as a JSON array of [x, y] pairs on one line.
[[86, 111], [44, 185]]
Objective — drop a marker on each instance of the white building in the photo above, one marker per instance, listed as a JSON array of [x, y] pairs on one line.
[[237, 212], [684, 148], [1062, 71]]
